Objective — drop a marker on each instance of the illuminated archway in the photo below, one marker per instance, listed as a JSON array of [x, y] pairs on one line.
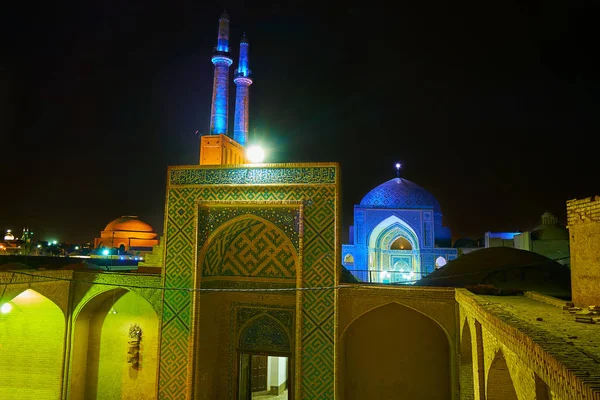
[[499, 383], [401, 243], [101, 364], [394, 351], [393, 242], [31, 354]]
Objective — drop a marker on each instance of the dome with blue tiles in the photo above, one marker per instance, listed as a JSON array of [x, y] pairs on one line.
[[400, 193]]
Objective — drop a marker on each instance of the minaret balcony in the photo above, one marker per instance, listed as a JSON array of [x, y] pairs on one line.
[[242, 74], [221, 53]]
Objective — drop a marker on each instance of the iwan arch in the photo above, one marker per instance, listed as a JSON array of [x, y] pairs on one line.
[[259, 247]]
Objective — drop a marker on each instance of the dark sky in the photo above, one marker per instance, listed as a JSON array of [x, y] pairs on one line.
[[490, 105]]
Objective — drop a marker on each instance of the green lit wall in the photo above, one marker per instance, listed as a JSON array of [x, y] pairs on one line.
[[109, 376], [31, 349]]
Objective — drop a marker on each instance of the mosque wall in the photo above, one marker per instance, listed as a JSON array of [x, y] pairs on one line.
[[583, 219]]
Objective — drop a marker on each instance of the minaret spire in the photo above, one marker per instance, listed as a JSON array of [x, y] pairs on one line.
[[242, 80], [222, 61]]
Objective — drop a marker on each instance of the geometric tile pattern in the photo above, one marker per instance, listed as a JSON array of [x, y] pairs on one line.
[[399, 193], [249, 247], [189, 190], [210, 218]]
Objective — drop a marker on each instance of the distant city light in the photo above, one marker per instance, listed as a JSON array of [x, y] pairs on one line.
[[54, 242], [76, 247], [39, 246], [255, 154], [6, 307]]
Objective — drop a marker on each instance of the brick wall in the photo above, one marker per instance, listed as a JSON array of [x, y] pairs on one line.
[[583, 218]]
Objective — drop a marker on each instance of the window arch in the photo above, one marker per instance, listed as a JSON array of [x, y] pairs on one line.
[[440, 262]]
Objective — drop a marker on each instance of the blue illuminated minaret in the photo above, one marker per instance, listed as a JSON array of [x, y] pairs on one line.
[[242, 81], [222, 61]]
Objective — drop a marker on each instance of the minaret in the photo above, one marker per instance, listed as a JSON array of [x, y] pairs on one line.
[[222, 61], [242, 81]]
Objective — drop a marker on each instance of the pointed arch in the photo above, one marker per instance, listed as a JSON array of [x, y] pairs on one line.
[[383, 259], [248, 245], [467, 388], [30, 318], [499, 382], [100, 347], [263, 333], [391, 226], [394, 337]]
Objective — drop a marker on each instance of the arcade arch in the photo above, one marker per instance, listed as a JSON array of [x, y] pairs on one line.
[[499, 383], [103, 345], [36, 328], [393, 337]]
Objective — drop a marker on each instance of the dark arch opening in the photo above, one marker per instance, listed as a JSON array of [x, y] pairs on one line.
[[395, 352], [466, 364], [499, 384]]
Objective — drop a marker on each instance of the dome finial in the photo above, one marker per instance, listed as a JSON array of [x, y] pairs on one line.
[[398, 166]]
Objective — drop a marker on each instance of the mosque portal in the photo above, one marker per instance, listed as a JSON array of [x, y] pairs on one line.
[[397, 236]]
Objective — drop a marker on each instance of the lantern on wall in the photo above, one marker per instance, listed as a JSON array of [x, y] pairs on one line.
[[135, 337]]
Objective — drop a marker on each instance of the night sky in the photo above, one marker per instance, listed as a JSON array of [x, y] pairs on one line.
[[491, 106]]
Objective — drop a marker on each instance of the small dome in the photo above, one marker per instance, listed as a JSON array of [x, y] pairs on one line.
[[400, 193], [129, 223]]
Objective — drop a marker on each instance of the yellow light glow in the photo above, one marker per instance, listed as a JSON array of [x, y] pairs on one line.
[[255, 154], [6, 308]]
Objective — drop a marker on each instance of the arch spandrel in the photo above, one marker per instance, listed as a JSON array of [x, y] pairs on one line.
[[147, 287], [443, 318]]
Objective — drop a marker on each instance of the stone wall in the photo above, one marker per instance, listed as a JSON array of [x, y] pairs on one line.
[[583, 218]]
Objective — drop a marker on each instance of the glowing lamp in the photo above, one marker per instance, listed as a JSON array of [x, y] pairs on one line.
[[76, 247], [54, 242], [255, 154], [398, 165], [39, 246], [105, 252], [6, 307]]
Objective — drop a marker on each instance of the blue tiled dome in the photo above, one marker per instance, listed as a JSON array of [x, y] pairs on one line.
[[400, 193]]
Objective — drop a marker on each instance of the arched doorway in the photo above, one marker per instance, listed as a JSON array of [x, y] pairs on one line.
[[466, 364], [393, 243], [499, 383], [394, 352], [264, 369], [31, 352], [109, 359]]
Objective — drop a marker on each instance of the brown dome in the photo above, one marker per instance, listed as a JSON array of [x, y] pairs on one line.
[[129, 223]]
